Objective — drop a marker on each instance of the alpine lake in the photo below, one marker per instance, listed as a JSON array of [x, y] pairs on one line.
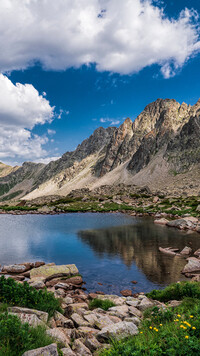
[[111, 250]]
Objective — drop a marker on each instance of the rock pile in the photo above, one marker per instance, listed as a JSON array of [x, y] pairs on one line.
[[79, 330]]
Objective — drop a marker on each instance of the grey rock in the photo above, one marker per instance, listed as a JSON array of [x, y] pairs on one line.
[[50, 350], [80, 349], [43, 316], [118, 331]]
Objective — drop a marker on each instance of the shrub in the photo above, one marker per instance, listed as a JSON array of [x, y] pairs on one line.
[[23, 295], [103, 304], [176, 291], [16, 338]]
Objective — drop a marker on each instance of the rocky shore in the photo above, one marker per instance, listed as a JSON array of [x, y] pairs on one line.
[[82, 329]]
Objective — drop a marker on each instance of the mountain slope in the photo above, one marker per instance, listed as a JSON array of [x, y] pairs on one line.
[[162, 142]]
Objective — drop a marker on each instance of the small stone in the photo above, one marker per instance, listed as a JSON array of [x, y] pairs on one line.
[[126, 293], [161, 221]]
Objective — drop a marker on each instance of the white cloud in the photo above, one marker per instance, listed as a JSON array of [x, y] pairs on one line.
[[51, 132], [111, 121], [21, 109], [125, 37], [47, 159]]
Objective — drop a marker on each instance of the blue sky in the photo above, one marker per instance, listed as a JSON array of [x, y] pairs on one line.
[[82, 94]]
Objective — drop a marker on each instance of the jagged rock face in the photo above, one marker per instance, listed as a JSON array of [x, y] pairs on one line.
[[97, 141], [164, 119], [184, 150], [118, 149]]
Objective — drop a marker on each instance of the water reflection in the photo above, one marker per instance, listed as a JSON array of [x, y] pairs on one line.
[[139, 244]]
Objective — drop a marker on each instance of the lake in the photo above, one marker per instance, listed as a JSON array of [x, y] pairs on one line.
[[112, 249]]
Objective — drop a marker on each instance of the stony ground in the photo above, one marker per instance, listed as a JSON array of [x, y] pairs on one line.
[[81, 330]]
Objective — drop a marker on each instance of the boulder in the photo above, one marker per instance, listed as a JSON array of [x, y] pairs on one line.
[[78, 320], [84, 331], [113, 298], [119, 311], [118, 331], [31, 319], [50, 272], [145, 304], [50, 350], [197, 253], [37, 282], [193, 265], [102, 321], [43, 316], [80, 349], [161, 221], [92, 343], [59, 335], [62, 321], [178, 223], [67, 351], [15, 268], [133, 320], [186, 251], [134, 311]]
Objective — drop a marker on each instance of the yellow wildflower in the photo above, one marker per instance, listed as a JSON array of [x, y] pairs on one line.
[[191, 316], [193, 328], [179, 315], [160, 324], [150, 327], [186, 337], [141, 332]]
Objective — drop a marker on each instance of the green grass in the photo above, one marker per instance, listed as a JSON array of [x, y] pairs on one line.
[[16, 338], [166, 331], [23, 295], [99, 303]]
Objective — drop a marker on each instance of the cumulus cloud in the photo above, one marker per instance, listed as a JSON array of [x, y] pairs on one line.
[[21, 109], [119, 36]]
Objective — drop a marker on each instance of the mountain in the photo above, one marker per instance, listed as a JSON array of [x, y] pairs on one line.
[[161, 149]]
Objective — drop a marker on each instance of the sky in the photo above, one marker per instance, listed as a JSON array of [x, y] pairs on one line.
[[70, 66]]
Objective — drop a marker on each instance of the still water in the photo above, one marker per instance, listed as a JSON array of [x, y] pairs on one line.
[[112, 249]]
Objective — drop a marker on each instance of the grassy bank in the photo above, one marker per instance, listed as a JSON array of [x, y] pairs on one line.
[[138, 203], [166, 331]]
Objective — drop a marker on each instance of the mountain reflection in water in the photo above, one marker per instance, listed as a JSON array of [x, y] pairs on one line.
[[139, 244]]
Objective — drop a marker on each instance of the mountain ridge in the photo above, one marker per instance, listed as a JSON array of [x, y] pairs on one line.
[[163, 141]]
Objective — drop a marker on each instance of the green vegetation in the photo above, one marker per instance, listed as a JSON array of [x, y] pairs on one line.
[[16, 338], [103, 304], [18, 208], [23, 295], [176, 291], [166, 331], [12, 195]]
